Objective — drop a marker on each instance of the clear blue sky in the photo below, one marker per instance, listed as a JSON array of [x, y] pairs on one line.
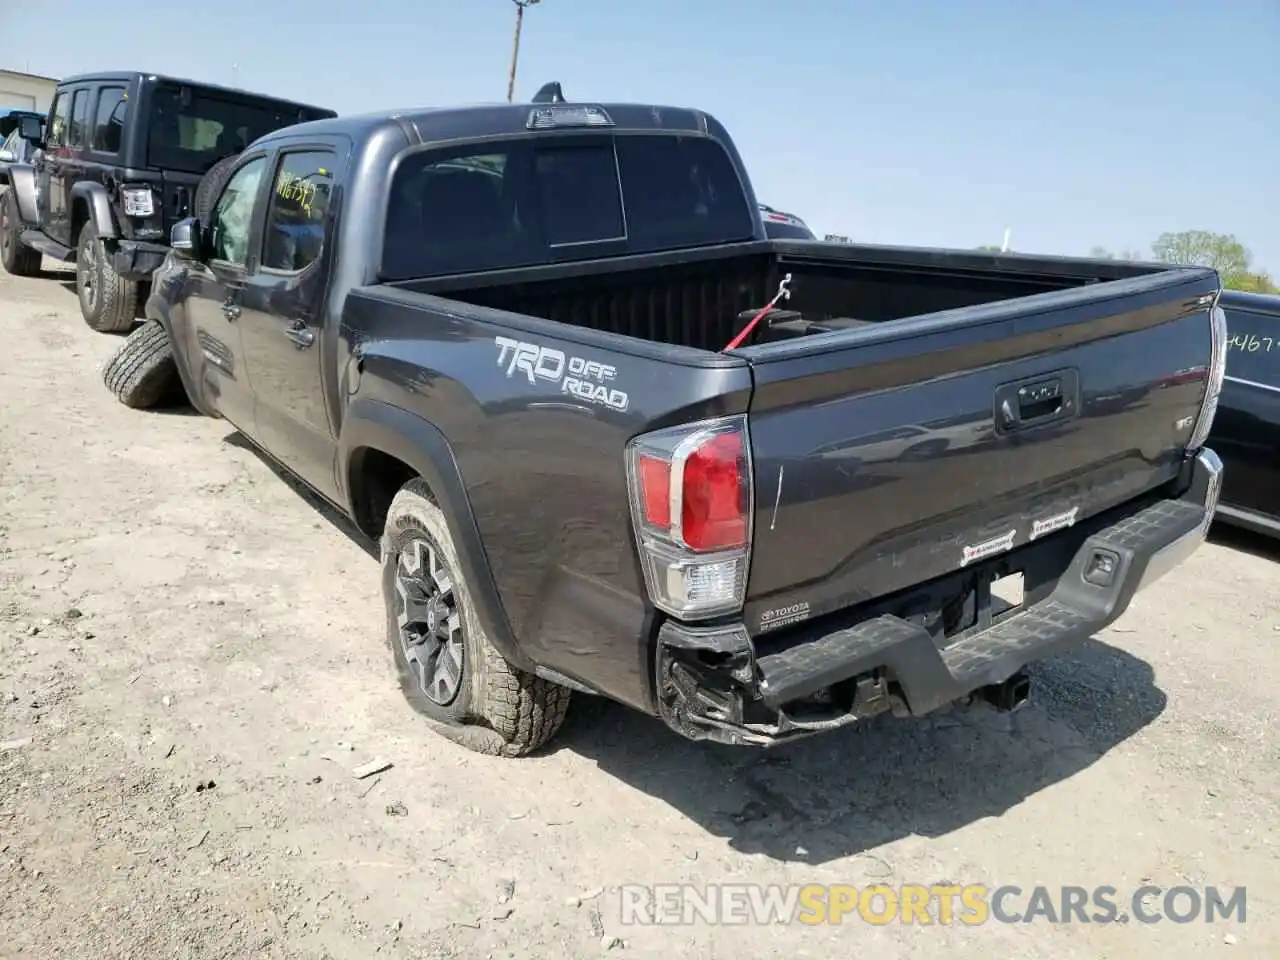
[[929, 123]]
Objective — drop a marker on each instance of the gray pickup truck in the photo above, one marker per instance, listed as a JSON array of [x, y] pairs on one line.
[[614, 439]]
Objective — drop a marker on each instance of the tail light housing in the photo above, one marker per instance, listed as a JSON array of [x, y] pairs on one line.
[[1213, 389], [691, 504]]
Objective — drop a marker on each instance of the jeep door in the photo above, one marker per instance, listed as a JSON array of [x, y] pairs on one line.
[[51, 186]]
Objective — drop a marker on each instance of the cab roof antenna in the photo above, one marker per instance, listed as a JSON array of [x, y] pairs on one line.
[[549, 93]]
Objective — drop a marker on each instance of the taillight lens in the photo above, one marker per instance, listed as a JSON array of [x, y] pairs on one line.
[[1217, 371], [691, 502]]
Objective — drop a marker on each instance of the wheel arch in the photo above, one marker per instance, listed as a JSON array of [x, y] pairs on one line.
[[89, 202], [383, 447], [22, 181]]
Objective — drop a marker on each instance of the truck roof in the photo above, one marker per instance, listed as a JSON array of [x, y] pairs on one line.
[[429, 124], [127, 76]]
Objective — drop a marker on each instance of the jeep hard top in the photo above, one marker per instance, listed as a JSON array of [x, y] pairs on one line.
[[615, 439], [120, 162]]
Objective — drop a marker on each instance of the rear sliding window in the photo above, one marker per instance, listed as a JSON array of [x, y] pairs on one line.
[[520, 203]]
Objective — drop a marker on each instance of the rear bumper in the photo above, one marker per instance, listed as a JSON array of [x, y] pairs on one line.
[[715, 683], [137, 259]]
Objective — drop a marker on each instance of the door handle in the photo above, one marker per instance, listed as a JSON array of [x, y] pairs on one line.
[[230, 310], [300, 334]]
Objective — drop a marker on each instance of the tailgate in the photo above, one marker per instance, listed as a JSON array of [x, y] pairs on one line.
[[890, 455]]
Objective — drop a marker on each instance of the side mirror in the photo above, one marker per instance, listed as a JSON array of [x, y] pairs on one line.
[[31, 130], [184, 238], [6, 156]]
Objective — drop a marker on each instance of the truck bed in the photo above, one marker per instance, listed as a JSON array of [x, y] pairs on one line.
[[700, 302]]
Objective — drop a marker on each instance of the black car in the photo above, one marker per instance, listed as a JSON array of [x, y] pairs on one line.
[[1246, 431], [119, 163]]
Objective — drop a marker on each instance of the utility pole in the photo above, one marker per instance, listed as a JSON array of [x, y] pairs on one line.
[[515, 49]]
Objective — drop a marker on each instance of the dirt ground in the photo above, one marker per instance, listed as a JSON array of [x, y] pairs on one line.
[[192, 664]]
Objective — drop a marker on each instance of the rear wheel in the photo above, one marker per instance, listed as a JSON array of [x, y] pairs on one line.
[[142, 372], [18, 259], [108, 302], [449, 671]]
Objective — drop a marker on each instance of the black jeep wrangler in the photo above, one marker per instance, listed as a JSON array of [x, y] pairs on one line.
[[121, 161]]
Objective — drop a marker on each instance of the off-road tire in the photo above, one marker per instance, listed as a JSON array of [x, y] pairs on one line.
[[142, 372], [18, 259], [210, 187], [108, 302], [499, 709]]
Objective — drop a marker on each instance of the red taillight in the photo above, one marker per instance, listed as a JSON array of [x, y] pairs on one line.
[[713, 515], [691, 500]]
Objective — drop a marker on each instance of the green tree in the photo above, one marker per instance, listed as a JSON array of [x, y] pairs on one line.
[[1203, 248], [1259, 282], [1102, 253]]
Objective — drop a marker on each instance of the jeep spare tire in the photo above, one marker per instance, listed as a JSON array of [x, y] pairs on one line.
[[142, 372], [210, 187]]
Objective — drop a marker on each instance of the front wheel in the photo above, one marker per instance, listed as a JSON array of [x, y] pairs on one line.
[[449, 671], [18, 259], [108, 302]]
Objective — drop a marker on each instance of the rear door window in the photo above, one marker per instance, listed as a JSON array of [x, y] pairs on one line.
[[108, 119], [1253, 347], [536, 200]]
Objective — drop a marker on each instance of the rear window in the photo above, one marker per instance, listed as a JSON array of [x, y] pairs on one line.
[[520, 203], [194, 132]]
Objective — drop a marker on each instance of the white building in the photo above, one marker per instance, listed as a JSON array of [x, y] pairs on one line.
[[26, 91]]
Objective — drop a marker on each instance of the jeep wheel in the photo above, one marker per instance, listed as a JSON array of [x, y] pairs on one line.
[[448, 669], [142, 372], [108, 302], [18, 259]]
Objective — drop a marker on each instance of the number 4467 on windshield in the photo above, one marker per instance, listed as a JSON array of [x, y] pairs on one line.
[[1252, 343]]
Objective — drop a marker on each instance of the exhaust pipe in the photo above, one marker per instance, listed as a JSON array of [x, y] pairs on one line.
[[1010, 695]]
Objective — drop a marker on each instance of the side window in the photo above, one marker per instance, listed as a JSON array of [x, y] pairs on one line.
[[57, 136], [299, 204], [108, 119], [78, 138], [232, 217], [10, 145], [1253, 347]]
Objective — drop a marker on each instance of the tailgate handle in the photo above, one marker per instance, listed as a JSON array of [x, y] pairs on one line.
[[1032, 402]]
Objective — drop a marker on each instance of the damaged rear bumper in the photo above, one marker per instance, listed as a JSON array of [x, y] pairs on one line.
[[716, 683]]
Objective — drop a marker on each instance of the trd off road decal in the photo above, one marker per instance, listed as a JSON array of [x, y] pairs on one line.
[[577, 376]]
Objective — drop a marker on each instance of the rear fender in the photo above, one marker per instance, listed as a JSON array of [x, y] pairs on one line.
[[373, 425], [22, 181], [96, 209]]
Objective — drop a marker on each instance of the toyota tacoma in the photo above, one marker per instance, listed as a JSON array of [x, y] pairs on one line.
[[614, 439]]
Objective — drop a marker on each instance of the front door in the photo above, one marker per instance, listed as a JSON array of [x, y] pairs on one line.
[[213, 296], [50, 182], [283, 320]]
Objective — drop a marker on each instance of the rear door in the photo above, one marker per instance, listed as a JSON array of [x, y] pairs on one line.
[[1246, 431], [890, 455]]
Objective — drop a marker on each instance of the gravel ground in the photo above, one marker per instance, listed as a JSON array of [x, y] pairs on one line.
[[191, 665]]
